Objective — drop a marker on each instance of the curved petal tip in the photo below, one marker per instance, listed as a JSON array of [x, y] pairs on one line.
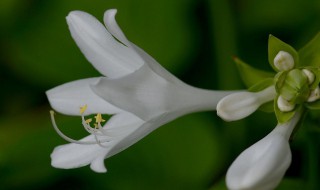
[[98, 166], [110, 12]]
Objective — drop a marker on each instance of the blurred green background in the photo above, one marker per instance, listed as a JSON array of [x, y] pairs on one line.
[[195, 40]]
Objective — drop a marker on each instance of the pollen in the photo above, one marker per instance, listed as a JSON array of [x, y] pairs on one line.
[[83, 109], [88, 121], [99, 118]]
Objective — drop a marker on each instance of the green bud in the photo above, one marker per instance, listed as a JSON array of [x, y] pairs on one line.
[[295, 88]]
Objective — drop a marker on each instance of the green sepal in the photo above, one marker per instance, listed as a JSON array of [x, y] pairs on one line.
[[279, 80], [309, 55], [275, 45], [283, 117], [313, 105], [265, 83], [250, 75]]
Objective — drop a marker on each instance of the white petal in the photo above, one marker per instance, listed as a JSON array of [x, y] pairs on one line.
[[239, 105], [68, 98], [97, 165], [115, 30], [148, 96], [77, 155], [155, 66], [263, 165], [143, 93], [107, 55], [113, 27]]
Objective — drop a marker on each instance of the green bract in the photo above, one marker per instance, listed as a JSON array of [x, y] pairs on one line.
[[275, 46], [309, 55], [296, 77]]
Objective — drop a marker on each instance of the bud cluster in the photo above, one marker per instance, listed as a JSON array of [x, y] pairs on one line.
[[294, 86]]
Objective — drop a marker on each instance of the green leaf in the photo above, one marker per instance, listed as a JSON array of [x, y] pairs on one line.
[[261, 85], [275, 45], [309, 55], [251, 75], [283, 117]]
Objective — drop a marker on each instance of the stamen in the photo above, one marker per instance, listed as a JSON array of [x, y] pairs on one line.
[[83, 109], [60, 133], [99, 118]]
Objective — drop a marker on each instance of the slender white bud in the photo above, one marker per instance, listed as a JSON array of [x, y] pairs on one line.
[[314, 95], [284, 105], [283, 61], [263, 165], [309, 75], [240, 105]]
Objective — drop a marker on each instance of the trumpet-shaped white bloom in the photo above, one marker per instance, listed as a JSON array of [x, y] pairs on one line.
[[263, 165], [138, 93], [241, 104]]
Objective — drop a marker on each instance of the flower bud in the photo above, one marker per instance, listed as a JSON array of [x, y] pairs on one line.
[[240, 105], [295, 87], [283, 61], [309, 75], [284, 105], [314, 95]]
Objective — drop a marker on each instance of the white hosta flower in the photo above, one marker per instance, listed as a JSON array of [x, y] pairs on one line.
[[263, 165], [241, 104], [138, 93]]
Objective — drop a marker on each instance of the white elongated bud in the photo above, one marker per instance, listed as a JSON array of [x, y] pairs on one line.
[[263, 165], [309, 75], [240, 105], [284, 105], [314, 95], [283, 61]]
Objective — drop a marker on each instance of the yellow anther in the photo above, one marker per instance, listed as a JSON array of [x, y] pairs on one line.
[[98, 118], [88, 121], [83, 109]]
